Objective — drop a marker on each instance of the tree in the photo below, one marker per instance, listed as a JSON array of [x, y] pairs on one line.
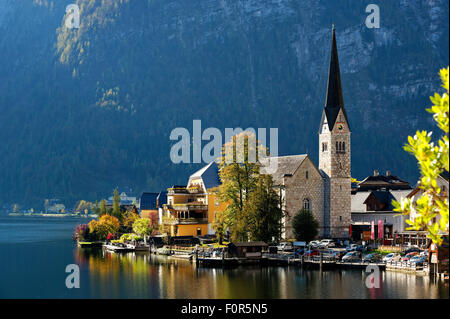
[[305, 226], [239, 172], [262, 211], [433, 160], [105, 225], [116, 205], [220, 225], [144, 227], [102, 210], [129, 218]]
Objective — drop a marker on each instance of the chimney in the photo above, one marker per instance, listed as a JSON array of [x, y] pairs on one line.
[[376, 173], [388, 173]]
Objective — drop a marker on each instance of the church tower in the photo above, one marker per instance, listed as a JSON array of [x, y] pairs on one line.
[[334, 154]]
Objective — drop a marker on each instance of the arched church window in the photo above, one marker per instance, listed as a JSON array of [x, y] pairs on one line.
[[307, 174], [307, 204], [343, 146]]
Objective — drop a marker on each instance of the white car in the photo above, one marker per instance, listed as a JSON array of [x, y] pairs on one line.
[[352, 256], [324, 243], [391, 257], [285, 246]]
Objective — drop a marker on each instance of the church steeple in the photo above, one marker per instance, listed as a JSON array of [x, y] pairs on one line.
[[334, 101]]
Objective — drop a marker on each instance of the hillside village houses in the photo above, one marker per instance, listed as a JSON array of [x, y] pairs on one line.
[[342, 209]]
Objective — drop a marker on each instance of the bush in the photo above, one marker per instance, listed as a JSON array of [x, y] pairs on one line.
[[305, 226]]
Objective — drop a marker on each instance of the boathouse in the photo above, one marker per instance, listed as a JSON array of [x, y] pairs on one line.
[[251, 249]]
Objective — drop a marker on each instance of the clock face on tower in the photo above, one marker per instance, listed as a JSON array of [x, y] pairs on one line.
[[340, 127]]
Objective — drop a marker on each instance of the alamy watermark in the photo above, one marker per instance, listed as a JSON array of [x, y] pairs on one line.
[[373, 277], [73, 16], [73, 279], [188, 144], [373, 19]]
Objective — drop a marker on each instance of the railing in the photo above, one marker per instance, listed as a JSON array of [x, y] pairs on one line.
[[192, 221], [189, 206], [407, 264]]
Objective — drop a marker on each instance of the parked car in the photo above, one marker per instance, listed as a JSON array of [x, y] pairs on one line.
[[299, 251], [352, 256], [408, 256], [312, 252], [417, 260], [412, 250], [352, 247], [326, 243], [392, 257], [314, 244], [371, 258], [286, 246]]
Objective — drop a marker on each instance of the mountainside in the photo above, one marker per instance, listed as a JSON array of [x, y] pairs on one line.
[[85, 110]]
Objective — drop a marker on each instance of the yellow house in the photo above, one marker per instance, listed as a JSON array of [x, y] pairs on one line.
[[190, 209]]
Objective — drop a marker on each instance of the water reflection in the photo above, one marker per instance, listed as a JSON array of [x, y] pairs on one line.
[[141, 275]]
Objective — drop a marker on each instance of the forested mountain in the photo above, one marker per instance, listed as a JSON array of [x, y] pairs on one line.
[[85, 110]]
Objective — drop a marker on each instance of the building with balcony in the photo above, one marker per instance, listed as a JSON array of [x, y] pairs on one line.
[[191, 208]]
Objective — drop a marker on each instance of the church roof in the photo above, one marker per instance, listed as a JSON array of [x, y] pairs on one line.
[[334, 100], [287, 165]]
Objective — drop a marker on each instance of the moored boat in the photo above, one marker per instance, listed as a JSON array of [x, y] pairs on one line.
[[118, 248]]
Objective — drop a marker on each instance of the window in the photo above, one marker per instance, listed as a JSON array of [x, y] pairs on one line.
[[307, 204], [307, 174], [199, 232], [340, 218], [324, 147], [340, 147]]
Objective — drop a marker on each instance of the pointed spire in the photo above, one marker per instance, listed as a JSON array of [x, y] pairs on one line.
[[334, 100]]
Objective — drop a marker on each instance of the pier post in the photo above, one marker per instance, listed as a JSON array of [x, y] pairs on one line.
[[223, 257], [196, 257], [321, 260]]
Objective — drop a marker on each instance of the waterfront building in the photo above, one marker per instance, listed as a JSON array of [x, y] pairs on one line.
[[371, 202], [190, 209], [125, 196], [150, 204]]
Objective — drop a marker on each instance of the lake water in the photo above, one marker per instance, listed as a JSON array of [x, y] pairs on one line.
[[34, 253]]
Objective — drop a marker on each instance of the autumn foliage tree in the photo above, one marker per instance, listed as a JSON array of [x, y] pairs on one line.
[[250, 200], [106, 224], [433, 161]]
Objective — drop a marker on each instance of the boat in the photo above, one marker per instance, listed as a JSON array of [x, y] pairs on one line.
[[163, 251], [181, 256], [139, 247], [118, 248]]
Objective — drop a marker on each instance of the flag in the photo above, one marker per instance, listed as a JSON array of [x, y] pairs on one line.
[[380, 229], [372, 231], [350, 230]]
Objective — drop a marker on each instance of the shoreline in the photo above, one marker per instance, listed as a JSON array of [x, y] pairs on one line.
[[50, 215]]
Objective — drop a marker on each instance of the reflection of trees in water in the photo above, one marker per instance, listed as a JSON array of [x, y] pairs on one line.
[[141, 275]]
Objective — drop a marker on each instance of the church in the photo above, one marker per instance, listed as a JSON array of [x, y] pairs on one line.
[[325, 190]]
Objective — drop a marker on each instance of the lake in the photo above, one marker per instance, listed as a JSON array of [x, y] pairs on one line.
[[36, 250]]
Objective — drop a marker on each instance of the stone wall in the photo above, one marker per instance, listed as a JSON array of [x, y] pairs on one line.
[[300, 187]]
